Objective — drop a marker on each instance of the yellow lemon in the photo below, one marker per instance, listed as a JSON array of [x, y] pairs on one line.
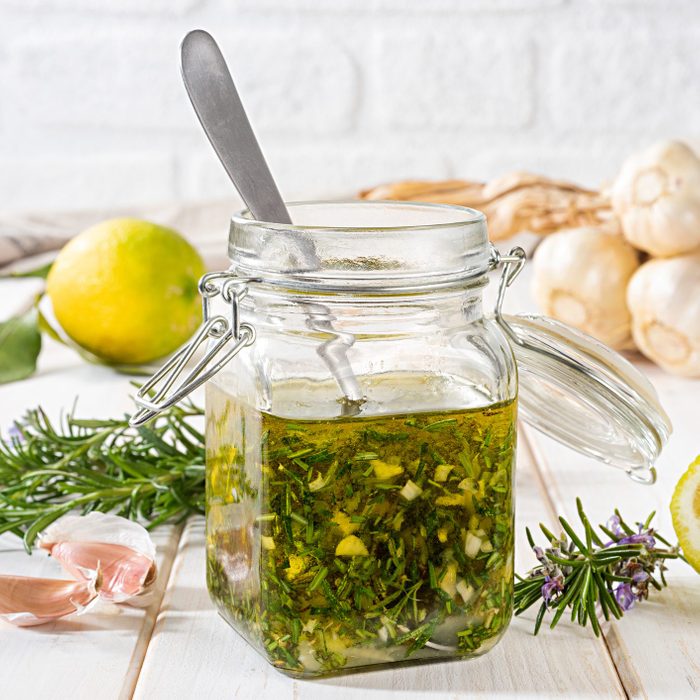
[[685, 511], [126, 290]]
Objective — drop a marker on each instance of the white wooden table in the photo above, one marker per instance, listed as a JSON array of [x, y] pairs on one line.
[[179, 648]]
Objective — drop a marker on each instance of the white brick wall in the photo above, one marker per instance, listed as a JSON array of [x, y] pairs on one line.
[[343, 93]]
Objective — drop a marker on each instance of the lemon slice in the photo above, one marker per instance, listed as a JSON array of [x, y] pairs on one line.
[[685, 511]]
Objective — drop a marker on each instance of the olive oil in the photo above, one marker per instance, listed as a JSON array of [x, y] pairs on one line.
[[352, 541]]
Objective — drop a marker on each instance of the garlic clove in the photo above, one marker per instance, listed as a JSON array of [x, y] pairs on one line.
[[121, 549], [27, 601], [125, 572]]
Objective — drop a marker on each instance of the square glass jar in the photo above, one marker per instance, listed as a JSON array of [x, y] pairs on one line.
[[360, 452], [360, 429]]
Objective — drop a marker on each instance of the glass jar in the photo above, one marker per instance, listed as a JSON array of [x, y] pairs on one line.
[[361, 430]]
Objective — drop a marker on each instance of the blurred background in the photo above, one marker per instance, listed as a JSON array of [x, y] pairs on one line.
[[343, 94]]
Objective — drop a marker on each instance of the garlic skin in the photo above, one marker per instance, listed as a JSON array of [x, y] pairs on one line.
[[657, 198], [120, 549], [580, 278], [99, 527], [664, 300]]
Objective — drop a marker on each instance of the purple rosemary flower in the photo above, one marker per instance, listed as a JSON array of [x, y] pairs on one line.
[[613, 525], [14, 433], [640, 576], [643, 537], [625, 596], [552, 586]]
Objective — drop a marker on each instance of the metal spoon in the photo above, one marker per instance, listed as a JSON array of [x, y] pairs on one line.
[[220, 111]]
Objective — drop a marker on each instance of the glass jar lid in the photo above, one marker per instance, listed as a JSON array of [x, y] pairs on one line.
[[583, 394]]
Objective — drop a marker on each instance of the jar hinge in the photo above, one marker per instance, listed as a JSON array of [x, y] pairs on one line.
[[158, 394]]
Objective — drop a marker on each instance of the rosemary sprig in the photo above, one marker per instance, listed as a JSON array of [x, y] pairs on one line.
[[585, 572], [154, 473]]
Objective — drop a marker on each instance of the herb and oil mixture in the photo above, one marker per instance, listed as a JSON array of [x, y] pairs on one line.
[[353, 541]]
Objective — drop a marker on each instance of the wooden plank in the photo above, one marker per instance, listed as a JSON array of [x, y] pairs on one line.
[[656, 647], [167, 539], [193, 653]]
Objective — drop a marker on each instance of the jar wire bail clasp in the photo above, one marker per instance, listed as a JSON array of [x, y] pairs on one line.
[[512, 263], [227, 335]]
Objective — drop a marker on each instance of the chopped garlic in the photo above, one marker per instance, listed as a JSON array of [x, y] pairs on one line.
[[452, 499], [472, 545], [442, 471], [297, 564], [465, 590], [448, 582], [411, 490], [343, 521], [384, 470], [322, 481]]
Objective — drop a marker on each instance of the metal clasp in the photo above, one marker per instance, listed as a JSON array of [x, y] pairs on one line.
[[158, 394], [512, 265]]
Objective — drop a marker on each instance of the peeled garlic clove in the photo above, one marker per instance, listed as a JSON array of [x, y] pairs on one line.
[[664, 300], [27, 601], [121, 549], [657, 198], [580, 278]]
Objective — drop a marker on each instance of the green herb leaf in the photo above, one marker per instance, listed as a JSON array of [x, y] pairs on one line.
[[47, 470], [42, 272], [20, 344]]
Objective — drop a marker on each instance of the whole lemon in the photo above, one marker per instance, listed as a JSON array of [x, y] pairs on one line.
[[126, 290]]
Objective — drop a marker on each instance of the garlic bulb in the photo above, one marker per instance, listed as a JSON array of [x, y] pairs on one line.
[[657, 198], [664, 300], [580, 278]]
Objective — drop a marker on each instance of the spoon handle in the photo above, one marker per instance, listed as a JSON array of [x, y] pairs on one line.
[[223, 118]]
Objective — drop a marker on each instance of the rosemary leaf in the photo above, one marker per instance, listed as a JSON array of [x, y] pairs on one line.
[[48, 469]]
